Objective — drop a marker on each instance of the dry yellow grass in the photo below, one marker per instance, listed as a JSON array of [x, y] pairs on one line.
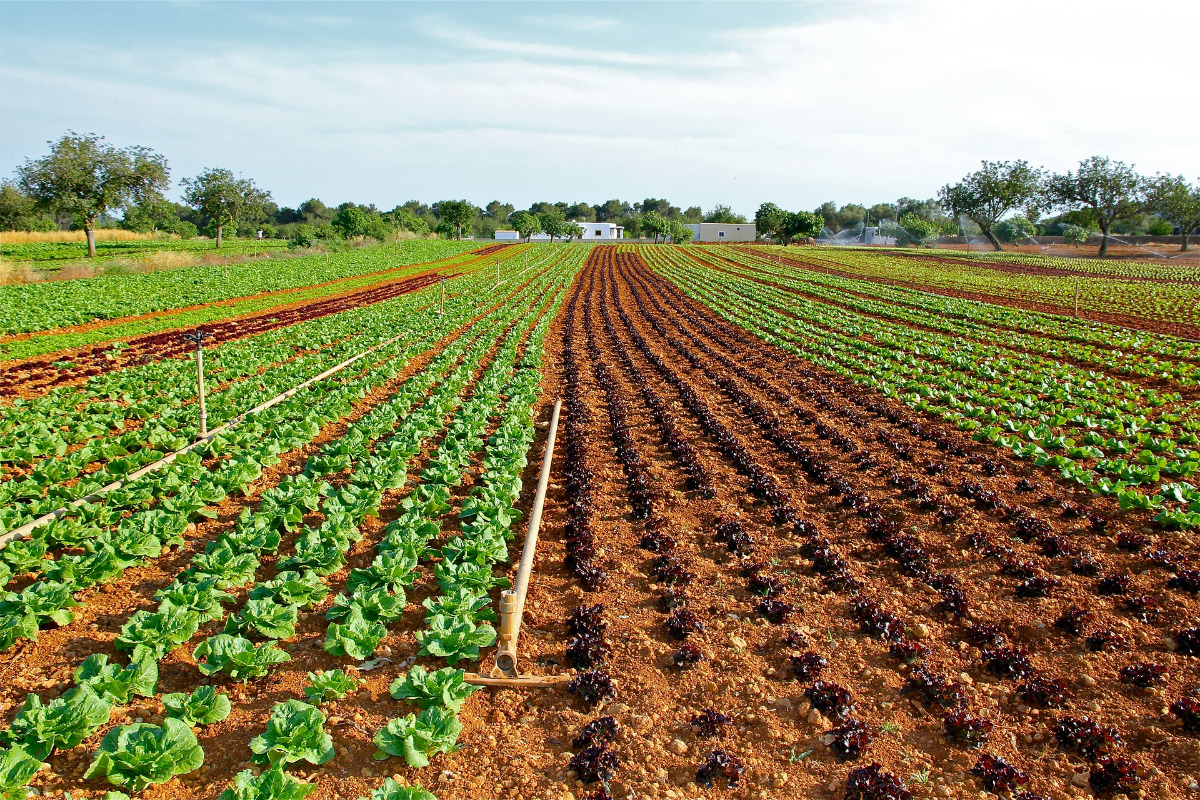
[[102, 235]]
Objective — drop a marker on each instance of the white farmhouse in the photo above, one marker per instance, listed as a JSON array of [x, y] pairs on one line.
[[510, 235], [590, 232], [723, 232]]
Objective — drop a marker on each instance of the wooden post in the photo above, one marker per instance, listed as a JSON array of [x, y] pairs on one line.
[[197, 338], [200, 387]]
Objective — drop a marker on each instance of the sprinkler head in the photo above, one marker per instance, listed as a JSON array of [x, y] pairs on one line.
[[196, 337]]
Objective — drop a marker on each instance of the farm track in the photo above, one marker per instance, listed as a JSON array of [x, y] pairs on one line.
[[1187, 392], [656, 701], [31, 379], [1123, 320]]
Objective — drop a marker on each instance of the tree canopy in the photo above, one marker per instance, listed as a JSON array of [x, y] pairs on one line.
[[85, 176], [525, 224], [1175, 200], [456, 213], [223, 197], [1111, 189], [986, 195]]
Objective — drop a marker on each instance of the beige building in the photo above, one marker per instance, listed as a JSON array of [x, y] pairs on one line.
[[724, 232]]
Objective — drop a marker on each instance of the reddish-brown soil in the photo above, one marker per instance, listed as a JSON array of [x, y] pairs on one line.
[[746, 671], [1124, 320], [31, 378], [46, 666], [675, 422]]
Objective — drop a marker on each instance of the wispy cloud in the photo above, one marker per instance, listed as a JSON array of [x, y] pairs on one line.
[[573, 22], [866, 104], [445, 31]]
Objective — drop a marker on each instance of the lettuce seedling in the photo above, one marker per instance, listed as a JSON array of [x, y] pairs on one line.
[[204, 706], [137, 755], [273, 784], [391, 790], [454, 638], [293, 589], [237, 656], [17, 768], [116, 684], [60, 724], [356, 637], [444, 687], [434, 730], [295, 732], [156, 633], [266, 617], [332, 685]]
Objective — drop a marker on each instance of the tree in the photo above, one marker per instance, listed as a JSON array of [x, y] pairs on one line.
[[1175, 200], [828, 212], [1014, 229], [990, 192], [724, 214], [525, 224], [457, 213], [498, 211], [652, 205], [850, 215], [1109, 188], [656, 225], [85, 176], [612, 210], [581, 212], [679, 231], [555, 224], [151, 215], [912, 229], [224, 197], [800, 224], [355, 221], [881, 212], [1073, 234], [18, 212], [769, 219]]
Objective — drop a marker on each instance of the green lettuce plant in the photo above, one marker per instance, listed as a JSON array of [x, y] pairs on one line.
[[205, 706], [295, 732], [415, 737], [138, 755], [444, 687]]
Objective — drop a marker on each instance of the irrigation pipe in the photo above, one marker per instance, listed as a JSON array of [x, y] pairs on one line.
[[23, 531]]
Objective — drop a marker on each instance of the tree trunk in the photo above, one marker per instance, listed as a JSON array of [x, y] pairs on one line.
[[220, 231], [1103, 241], [992, 238], [1187, 234], [89, 231]]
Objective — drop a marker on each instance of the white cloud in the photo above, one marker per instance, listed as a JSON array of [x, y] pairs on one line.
[[892, 99]]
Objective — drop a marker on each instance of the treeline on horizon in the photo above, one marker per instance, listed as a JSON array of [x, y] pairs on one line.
[[87, 183]]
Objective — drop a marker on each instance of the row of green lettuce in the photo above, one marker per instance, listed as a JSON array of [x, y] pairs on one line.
[[55, 304], [270, 606]]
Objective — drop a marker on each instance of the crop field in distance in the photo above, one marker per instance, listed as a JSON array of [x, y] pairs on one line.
[[821, 522]]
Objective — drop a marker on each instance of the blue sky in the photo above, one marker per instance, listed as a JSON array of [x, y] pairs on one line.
[[735, 102]]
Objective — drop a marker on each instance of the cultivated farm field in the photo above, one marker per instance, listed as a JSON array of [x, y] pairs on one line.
[[821, 523]]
